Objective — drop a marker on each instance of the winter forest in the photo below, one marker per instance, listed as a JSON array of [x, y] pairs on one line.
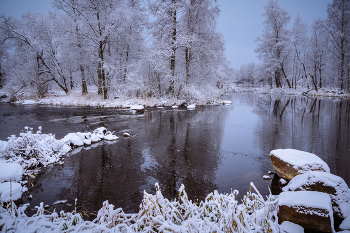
[[171, 48], [118, 47], [297, 55]]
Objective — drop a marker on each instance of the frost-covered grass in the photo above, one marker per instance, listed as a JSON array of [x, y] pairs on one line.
[[217, 213]]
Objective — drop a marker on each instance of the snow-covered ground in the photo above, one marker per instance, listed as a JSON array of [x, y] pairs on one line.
[[322, 92]]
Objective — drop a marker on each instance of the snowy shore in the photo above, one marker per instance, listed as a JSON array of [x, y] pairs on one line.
[[94, 100]]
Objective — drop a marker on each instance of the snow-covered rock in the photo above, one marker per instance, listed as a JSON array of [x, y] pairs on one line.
[[94, 138], [126, 135], [175, 106], [266, 177], [309, 209], [3, 145], [100, 132], [110, 137], [12, 171], [345, 225], [138, 108], [289, 163], [73, 140], [327, 183], [191, 106], [10, 190], [227, 102], [289, 227]]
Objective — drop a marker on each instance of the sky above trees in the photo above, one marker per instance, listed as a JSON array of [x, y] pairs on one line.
[[241, 21]]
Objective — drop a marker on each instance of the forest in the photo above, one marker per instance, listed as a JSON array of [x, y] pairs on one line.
[[165, 49], [130, 48], [297, 55]]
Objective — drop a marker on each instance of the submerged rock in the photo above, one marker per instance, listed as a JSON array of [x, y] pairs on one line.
[[289, 163], [327, 183], [309, 209]]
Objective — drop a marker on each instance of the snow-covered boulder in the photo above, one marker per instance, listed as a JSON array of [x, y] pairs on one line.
[[309, 209], [100, 132], [191, 106], [289, 163], [327, 183], [10, 171], [227, 102], [3, 145], [10, 190], [138, 108], [289, 227], [73, 140]]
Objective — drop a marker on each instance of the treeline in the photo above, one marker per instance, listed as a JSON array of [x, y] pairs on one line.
[[131, 48], [313, 57]]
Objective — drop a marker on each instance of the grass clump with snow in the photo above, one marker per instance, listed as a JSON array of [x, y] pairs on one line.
[[31, 149], [217, 213]]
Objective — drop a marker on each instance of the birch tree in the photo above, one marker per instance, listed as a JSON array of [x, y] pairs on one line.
[[273, 48], [338, 26]]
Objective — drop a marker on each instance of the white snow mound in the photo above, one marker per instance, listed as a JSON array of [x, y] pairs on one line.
[[9, 171], [289, 227], [8, 188]]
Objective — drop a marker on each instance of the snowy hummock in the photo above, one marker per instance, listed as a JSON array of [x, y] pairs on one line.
[[266, 177], [3, 145], [227, 102], [289, 227], [137, 107], [191, 106], [11, 190], [10, 171], [301, 160], [342, 195], [309, 199]]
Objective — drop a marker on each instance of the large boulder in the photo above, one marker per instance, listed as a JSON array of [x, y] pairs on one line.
[[309, 209], [327, 183], [289, 163]]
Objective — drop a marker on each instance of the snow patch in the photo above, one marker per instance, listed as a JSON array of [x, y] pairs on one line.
[[10, 191], [11, 171], [191, 106], [345, 225], [289, 227]]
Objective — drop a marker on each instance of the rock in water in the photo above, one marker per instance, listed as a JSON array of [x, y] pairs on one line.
[[309, 209], [326, 183], [289, 163]]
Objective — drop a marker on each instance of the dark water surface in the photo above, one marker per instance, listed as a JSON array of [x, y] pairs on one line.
[[209, 148]]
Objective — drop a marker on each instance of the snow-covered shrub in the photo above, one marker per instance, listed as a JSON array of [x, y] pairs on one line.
[[217, 213], [31, 149]]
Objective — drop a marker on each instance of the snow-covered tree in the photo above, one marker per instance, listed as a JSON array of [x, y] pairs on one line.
[[37, 49], [274, 48], [338, 26]]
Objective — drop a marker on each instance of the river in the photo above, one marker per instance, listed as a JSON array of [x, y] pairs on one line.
[[206, 149]]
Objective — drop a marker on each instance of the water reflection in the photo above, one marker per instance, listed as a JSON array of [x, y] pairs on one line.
[[171, 147], [209, 148], [320, 126]]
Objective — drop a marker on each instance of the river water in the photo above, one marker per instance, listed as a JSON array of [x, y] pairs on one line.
[[206, 149]]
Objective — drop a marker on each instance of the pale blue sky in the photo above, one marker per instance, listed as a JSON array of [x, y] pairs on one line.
[[241, 21]]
